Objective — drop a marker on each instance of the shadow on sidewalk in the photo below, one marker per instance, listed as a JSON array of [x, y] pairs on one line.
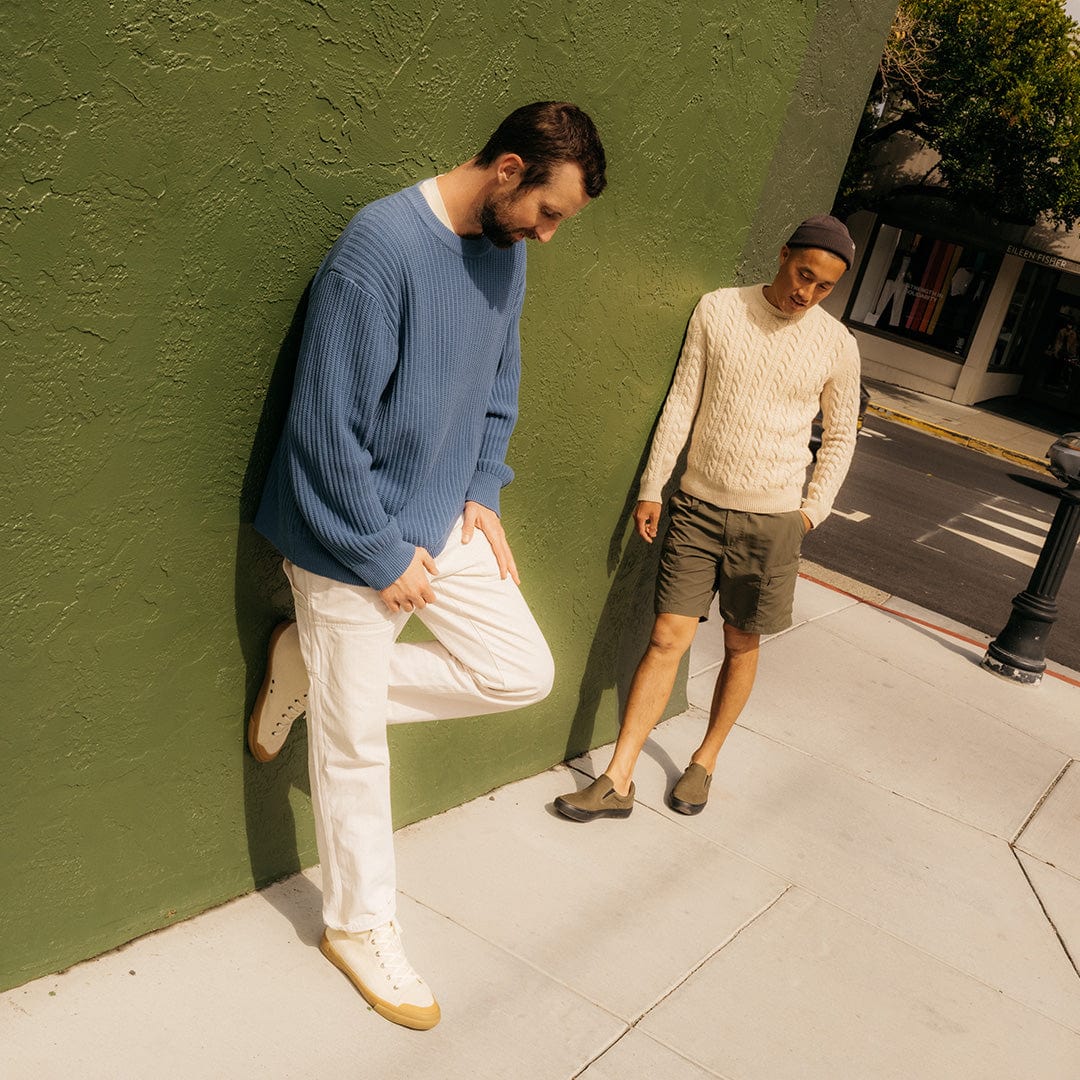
[[1054, 422], [300, 902], [971, 652]]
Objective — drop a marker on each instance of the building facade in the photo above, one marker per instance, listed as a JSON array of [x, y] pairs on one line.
[[962, 309]]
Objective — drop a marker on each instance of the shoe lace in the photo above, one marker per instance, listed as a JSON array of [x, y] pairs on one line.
[[391, 954], [291, 711]]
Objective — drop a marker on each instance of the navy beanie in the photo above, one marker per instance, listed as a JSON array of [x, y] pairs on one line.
[[826, 233]]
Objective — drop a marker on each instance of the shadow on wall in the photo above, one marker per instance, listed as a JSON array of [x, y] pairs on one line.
[[626, 619], [263, 599]]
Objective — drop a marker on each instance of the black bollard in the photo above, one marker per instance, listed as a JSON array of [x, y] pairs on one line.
[[1019, 651]]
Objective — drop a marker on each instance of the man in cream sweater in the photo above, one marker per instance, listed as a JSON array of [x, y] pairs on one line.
[[757, 364]]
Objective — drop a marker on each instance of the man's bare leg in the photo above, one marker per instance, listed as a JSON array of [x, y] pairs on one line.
[[649, 692], [732, 691]]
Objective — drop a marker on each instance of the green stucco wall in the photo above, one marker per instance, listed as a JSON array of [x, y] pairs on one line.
[[172, 174]]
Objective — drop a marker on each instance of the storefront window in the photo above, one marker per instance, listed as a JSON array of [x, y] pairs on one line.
[[1021, 321], [1062, 363], [924, 290], [1056, 341]]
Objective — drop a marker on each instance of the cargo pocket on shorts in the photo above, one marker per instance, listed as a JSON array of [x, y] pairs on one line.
[[776, 599]]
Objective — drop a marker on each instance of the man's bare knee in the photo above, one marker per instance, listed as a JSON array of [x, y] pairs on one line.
[[671, 635], [738, 642]]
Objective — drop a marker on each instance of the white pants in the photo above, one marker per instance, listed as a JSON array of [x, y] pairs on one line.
[[489, 656]]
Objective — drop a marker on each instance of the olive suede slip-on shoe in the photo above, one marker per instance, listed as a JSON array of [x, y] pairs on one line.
[[691, 791], [599, 799]]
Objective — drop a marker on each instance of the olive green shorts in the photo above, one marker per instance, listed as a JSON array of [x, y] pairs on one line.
[[751, 560]]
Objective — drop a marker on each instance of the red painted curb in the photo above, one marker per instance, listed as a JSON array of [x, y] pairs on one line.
[[929, 625]]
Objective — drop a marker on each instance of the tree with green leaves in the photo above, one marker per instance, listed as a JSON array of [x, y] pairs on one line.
[[992, 88]]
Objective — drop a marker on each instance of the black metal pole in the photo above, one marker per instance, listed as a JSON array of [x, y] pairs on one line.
[[1019, 651]]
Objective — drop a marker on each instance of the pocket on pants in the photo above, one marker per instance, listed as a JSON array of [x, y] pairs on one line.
[[801, 531], [293, 573]]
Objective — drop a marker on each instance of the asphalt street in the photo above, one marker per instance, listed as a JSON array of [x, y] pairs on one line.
[[946, 527]]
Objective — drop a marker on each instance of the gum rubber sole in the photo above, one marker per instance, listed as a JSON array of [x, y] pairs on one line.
[[387, 1011]]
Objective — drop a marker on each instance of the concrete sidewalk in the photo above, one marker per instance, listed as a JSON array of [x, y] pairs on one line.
[[968, 425], [886, 883]]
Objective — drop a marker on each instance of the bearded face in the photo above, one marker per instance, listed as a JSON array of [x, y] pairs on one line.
[[497, 220], [535, 212]]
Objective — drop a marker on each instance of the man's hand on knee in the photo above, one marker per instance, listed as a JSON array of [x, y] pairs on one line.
[[412, 591], [477, 516]]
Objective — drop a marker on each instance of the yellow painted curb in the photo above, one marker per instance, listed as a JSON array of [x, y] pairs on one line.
[[984, 446]]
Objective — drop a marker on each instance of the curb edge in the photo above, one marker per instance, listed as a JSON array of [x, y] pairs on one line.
[[984, 446]]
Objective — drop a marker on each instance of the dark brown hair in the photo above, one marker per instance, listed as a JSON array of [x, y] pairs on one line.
[[545, 134]]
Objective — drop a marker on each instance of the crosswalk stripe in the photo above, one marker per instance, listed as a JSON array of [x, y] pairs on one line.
[[1038, 523], [1031, 536], [1017, 534], [1028, 558]]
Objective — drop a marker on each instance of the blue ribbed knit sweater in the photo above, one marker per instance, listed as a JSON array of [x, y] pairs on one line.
[[405, 394]]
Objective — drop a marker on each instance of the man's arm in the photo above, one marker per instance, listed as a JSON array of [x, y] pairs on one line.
[[839, 419], [347, 357], [492, 473]]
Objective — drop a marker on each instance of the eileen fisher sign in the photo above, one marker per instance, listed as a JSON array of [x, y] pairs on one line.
[[1041, 257]]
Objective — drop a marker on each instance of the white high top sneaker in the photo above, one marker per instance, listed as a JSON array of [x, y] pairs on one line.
[[282, 697], [376, 963]]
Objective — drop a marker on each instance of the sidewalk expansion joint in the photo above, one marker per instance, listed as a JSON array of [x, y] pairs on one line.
[[1046, 914], [681, 982], [1039, 803], [519, 957], [615, 1042], [870, 781], [607, 1049], [709, 956], [1023, 869]]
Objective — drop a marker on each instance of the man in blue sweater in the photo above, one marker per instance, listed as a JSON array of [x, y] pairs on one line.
[[383, 496]]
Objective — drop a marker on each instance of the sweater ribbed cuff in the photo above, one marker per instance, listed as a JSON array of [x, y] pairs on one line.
[[651, 493], [382, 569], [814, 512], [484, 489]]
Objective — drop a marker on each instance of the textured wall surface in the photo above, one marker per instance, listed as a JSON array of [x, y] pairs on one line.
[[837, 69], [171, 176]]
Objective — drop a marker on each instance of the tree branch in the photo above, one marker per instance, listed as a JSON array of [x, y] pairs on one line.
[[909, 121]]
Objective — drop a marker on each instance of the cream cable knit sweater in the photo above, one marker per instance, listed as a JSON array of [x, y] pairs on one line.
[[749, 382]]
